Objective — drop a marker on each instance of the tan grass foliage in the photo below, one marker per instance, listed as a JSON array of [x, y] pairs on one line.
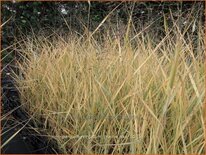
[[116, 96]]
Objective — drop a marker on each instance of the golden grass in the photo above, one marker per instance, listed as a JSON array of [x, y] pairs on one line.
[[116, 96]]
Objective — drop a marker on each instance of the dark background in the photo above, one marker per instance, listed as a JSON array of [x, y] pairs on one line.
[[46, 17]]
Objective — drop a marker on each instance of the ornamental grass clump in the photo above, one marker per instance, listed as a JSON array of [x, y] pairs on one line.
[[116, 95]]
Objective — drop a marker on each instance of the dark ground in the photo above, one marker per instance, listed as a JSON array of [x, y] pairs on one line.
[[23, 142], [26, 141]]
